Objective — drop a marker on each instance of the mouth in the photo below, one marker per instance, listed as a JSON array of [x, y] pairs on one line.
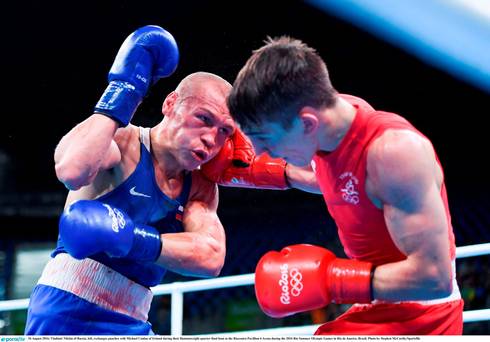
[[199, 155]]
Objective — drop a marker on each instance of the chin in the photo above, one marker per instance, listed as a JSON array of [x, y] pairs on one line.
[[188, 163], [191, 165]]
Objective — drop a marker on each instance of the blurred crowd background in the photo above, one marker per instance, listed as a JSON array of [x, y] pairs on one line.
[[56, 57]]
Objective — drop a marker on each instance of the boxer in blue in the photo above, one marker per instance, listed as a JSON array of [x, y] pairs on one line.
[[138, 204]]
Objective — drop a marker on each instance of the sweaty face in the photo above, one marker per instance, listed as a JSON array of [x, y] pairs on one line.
[[291, 145], [202, 124]]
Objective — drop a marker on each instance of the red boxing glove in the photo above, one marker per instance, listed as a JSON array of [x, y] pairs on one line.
[[236, 165], [306, 277]]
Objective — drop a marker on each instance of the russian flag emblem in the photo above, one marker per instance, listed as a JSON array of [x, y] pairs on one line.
[[179, 213]]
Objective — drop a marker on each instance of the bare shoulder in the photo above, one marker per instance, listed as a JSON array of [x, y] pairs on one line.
[[203, 190], [127, 139], [400, 161], [395, 144]]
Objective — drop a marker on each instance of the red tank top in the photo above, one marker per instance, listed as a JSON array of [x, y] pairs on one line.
[[341, 176]]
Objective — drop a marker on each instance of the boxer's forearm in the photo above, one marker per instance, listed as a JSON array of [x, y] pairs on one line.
[[408, 280], [80, 153], [192, 254], [302, 178]]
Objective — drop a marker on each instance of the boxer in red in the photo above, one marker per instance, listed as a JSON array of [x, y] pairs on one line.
[[383, 185]]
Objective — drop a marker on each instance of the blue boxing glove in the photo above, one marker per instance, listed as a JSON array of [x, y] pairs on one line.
[[147, 55], [90, 227]]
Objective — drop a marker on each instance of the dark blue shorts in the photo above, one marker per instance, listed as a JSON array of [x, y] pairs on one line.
[[56, 312]]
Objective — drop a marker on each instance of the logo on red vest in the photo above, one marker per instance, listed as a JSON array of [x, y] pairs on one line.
[[349, 191]]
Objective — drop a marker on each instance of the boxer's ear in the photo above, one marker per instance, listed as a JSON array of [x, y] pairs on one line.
[[309, 120], [169, 104]]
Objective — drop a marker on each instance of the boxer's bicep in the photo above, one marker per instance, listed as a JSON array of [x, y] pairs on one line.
[[200, 249], [402, 171], [200, 214], [199, 219], [422, 235]]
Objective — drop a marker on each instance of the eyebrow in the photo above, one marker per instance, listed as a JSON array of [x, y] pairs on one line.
[[215, 118]]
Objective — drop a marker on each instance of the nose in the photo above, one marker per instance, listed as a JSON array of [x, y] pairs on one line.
[[209, 138]]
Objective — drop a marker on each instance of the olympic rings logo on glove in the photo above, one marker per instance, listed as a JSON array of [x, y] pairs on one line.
[[294, 282]]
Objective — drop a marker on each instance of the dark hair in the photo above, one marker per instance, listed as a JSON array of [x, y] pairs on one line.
[[277, 81]]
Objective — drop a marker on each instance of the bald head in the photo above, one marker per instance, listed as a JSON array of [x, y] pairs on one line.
[[202, 83], [196, 120], [200, 91]]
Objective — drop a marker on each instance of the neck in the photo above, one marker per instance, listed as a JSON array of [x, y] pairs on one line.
[[335, 123], [161, 151]]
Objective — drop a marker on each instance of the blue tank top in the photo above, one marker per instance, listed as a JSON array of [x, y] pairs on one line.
[[141, 198]]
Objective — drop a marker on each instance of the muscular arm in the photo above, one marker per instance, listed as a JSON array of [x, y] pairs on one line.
[[86, 149], [302, 178], [200, 249], [406, 178]]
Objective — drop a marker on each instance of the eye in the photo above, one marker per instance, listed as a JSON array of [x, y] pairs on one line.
[[204, 118], [225, 131]]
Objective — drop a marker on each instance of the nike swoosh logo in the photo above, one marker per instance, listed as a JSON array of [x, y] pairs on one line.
[[133, 192]]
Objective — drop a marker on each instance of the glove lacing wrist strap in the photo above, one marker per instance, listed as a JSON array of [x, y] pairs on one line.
[[350, 281]]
